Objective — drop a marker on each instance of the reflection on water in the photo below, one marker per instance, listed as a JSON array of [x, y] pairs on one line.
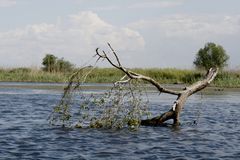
[[26, 134]]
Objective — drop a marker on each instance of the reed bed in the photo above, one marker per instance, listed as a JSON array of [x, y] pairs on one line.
[[109, 75]]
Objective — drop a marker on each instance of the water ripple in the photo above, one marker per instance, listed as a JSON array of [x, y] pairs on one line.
[[26, 134]]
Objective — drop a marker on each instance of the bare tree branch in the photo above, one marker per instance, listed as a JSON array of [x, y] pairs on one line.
[[133, 75], [114, 54]]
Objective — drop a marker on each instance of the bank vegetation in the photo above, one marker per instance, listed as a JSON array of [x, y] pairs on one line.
[[109, 75]]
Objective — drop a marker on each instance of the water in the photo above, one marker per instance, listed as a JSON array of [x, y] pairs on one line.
[[26, 134]]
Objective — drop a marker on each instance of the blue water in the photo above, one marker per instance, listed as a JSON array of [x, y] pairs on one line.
[[26, 134]]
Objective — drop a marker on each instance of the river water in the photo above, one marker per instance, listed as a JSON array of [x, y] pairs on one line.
[[26, 134]]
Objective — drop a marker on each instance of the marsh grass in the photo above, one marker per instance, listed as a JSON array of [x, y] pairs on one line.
[[30, 75], [228, 79], [110, 75]]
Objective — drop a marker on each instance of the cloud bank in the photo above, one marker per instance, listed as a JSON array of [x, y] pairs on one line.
[[196, 27], [181, 36], [156, 40], [74, 38]]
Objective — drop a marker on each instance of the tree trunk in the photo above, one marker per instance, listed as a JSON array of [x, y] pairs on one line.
[[174, 112]]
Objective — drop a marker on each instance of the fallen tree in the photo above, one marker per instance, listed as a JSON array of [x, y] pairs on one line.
[[112, 116], [174, 112]]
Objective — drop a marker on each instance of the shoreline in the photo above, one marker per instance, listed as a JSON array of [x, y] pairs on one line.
[[101, 86]]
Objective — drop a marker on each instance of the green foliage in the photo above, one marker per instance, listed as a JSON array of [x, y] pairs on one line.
[[211, 55], [63, 66], [49, 62], [53, 64]]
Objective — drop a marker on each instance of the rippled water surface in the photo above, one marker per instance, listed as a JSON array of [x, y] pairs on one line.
[[26, 134]]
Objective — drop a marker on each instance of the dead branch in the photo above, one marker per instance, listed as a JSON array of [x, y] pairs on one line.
[[133, 75], [174, 112]]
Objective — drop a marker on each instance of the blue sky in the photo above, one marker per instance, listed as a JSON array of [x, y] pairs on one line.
[[145, 33]]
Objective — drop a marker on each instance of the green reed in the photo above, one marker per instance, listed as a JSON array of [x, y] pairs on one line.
[[110, 75]]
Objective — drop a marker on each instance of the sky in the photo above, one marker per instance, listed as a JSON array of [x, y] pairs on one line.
[[144, 33]]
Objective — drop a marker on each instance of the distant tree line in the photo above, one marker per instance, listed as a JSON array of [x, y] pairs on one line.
[[212, 55], [52, 63]]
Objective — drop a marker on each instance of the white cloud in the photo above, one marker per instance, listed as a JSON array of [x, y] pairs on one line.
[[180, 36], [196, 27], [7, 3], [74, 38]]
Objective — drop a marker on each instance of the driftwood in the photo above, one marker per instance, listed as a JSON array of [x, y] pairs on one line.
[[174, 112]]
